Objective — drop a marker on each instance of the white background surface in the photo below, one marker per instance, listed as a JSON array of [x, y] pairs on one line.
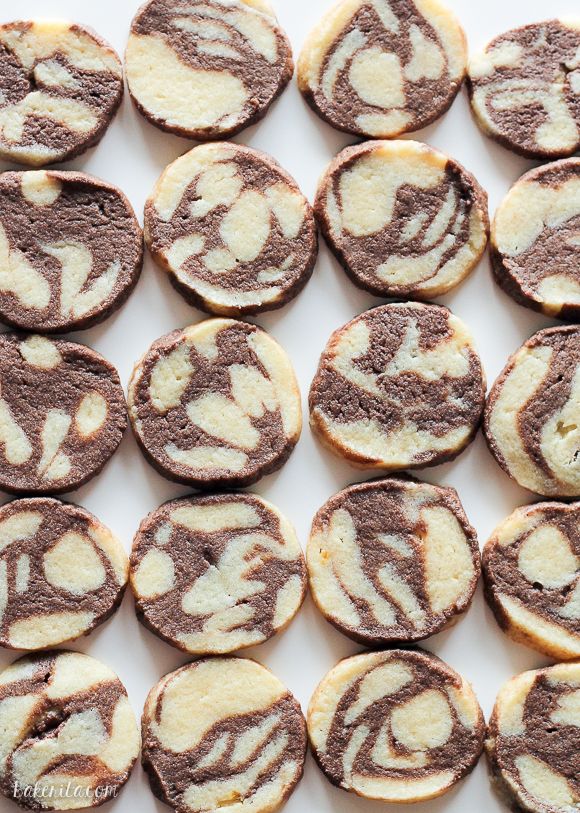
[[132, 154]]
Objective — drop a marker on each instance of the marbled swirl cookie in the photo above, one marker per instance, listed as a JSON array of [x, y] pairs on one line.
[[531, 421], [525, 89], [206, 69], [400, 386], [535, 240], [531, 566], [425, 230], [383, 67], [62, 414], [533, 741], [60, 86], [398, 726], [215, 404], [232, 229], [69, 735], [223, 734], [71, 250]]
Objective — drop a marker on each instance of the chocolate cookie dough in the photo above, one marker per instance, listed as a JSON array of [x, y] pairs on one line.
[[215, 404], [232, 229], [70, 738], [223, 734], [206, 69], [60, 87], [400, 386], [62, 414], [71, 250], [531, 417], [535, 247], [427, 226], [533, 743], [398, 726], [383, 67], [531, 566], [525, 89]]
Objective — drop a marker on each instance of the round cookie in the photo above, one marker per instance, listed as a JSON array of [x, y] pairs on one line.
[[62, 414], [223, 734], [215, 404], [531, 566], [534, 240], [531, 416], [397, 726], [377, 68], [427, 227], [60, 87], [218, 64], [232, 229], [400, 386], [392, 561], [524, 89], [533, 741], [71, 736], [71, 250]]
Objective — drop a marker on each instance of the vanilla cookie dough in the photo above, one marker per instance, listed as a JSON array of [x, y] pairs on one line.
[[397, 726], [223, 734], [380, 68], [400, 386], [531, 416], [533, 741], [525, 89], [60, 87], [232, 229], [426, 229], [206, 69], [215, 404], [69, 732], [62, 414]]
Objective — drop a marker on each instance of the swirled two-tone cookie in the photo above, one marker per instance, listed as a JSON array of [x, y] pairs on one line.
[[217, 64], [62, 414], [533, 742], [70, 738], [60, 86], [427, 226], [535, 242], [71, 250], [223, 734], [525, 89], [398, 726], [232, 229], [215, 404], [383, 67], [400, 386], [531, 421]]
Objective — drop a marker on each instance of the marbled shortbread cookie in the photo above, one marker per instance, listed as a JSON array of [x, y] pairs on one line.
[[400, 386], [533, 741], [62, 414], [71, 250], [217, 64], [531, 421], [70, 738], [60, 86], [398, 726], [223, 734], [525, 89], [531, 566], [383, 67], [425, 230], [215, 404], [535, 240], [232, 229]]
